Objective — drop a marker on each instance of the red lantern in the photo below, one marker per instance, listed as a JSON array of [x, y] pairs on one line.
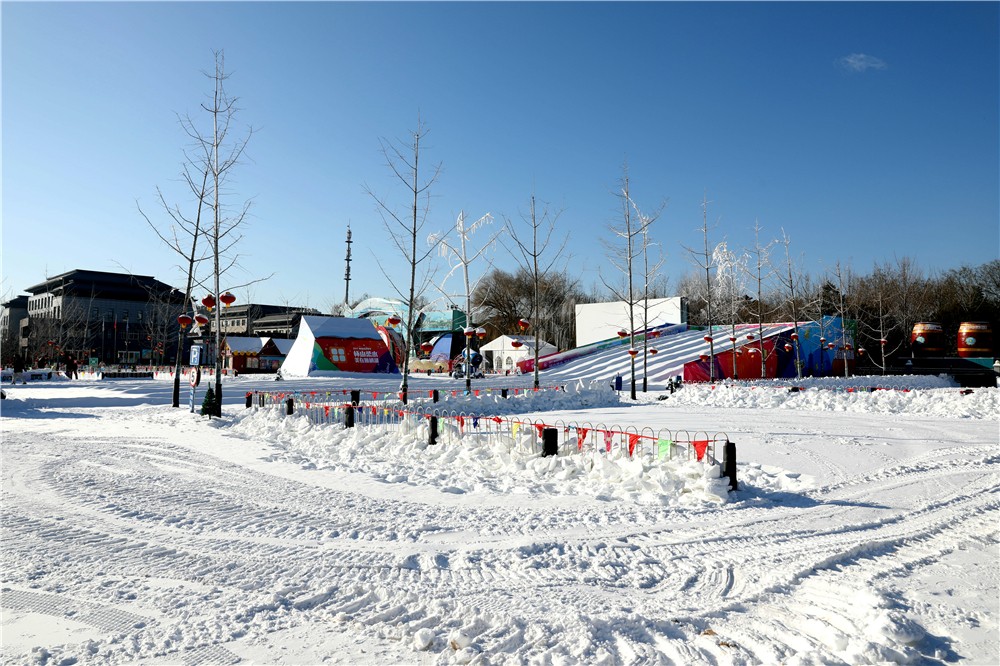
[[883, 342], [752, 351], [795, 336], [822, 341], [469, 331], [394, 320], [208, 302], [708, 339], [516, 344], [788, 347], [703, 357], [481, 333], [732, 338], [227, 299], [633, 352], [830, 345], [654, 334], [201, 319], [623, 333], [184, 320], [861, 351], [653, 351], [426, 347], [749, 336], [847, 345], [523, 324]]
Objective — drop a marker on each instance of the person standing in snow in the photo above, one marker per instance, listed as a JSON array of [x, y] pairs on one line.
[[70, 368], [18, 370]]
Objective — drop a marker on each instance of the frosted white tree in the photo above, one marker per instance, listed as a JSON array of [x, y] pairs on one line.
[[459, 258], [730, 289]]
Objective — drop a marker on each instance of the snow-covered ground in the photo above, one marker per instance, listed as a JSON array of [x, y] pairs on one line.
[[864, 529]]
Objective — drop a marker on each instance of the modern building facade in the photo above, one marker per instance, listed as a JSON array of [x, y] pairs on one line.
[[99, 317]]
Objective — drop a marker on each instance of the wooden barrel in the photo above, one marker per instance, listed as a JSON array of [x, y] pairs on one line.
[[927, 339], [975, 339]]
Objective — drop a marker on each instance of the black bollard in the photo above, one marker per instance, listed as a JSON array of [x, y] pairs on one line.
[[290, 406], [355, 398], [260, 399], [729, 465], [435, 396], [349, 417], [433, 431], [503, 393], [249, 399], [550, 442], [402, 396]]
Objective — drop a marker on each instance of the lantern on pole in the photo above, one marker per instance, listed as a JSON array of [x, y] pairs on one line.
[[732, 338], [208, 302], [788, 347], [830, 345], [794, 336], [883, 342], [653, 351], [861, 351], [708, 339], [469, 332], [201, 319], [394, 320], [703, 357], [633, 352], [184, 320], [426, 347], [516, 344], [623, 333], [822, 341], [749, 336], [227, 299], [523, 324], [481, 333]]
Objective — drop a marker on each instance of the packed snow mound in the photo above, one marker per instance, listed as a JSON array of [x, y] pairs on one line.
[[499, 464], [980, 403], [576, 395]]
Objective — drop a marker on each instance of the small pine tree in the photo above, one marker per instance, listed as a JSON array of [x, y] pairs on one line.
[[208, 406]]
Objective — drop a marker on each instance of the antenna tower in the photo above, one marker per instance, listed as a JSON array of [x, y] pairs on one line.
[[347, 275]]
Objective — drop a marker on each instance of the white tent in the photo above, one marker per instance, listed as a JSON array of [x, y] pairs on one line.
[[502, 355], [327, 346]]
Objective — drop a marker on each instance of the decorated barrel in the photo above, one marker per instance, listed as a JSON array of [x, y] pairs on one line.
[[927, 339], [975, 339]]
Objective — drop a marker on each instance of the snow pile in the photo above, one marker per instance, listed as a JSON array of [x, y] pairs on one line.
[[574, 395], [980, 403], [509, 463]]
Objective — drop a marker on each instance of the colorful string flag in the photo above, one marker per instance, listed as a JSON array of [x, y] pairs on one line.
[[475, 421], [476, 393], [607, 440], [539, 427], [515, 427], [497, 419], [461, 422], [374, 395], [581, 436], [326, 411], [633, 439], [663, 448], [700, 446]]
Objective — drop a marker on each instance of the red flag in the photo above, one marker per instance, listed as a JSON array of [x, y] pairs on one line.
[[632, 441], [581, 437], [607, 440], [539, 427], [700, 446]]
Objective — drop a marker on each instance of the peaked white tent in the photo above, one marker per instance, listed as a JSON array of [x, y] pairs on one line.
[[502, 355], [327, 346]]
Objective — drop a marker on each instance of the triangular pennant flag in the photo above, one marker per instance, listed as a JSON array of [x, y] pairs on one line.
[[700, 446], [607, 440], [663, 448], [461, 421], [633, 439], [374, 395], [539, 427], [497, 419], [581, 437], [476, 393], [475, 421]]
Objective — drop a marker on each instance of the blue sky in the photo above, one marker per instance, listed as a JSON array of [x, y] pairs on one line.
[[867, 131]]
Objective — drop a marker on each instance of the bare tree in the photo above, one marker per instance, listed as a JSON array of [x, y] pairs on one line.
[[529, 257], [705, 261], [730, 287], [459, 258], [845, 284], [759, 268], [223, 234], [791, 281], [623, 254], [406, 228]]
